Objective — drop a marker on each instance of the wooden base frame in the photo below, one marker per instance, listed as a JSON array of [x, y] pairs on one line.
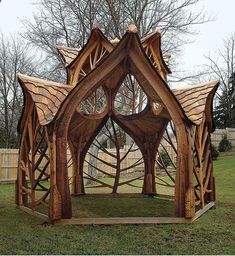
[[121, 220]]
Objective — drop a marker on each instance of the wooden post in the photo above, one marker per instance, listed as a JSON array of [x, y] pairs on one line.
[[149, 155], [55, 198], [62, 181], [77, 183], [182, 175]]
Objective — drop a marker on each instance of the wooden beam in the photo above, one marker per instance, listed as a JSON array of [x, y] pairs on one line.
[[199, 213], [122, 220], [35, 213]]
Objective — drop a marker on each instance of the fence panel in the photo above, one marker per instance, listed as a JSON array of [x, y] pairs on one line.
[[8, 164], [9, 157]]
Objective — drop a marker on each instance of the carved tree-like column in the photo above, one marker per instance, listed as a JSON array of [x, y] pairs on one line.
[[204, 187], [149, 154]]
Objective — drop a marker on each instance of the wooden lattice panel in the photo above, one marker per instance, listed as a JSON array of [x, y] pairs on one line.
[[34, 164]]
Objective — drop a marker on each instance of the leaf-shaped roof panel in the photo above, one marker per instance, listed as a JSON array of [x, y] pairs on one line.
[[196, 100], [46, 95], [68, 54]]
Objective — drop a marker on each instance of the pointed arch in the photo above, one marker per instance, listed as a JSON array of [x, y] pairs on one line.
[[129, 54], [96, 48], [152, 46]]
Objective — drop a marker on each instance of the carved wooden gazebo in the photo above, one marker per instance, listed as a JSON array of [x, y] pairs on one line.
[[52, 118]]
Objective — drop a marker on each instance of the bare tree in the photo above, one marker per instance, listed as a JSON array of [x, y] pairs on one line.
[[14, 58], [222, 66]]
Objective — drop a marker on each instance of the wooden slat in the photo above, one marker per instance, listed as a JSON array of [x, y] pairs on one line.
[[35, 213], [122, 220], [199, 213]]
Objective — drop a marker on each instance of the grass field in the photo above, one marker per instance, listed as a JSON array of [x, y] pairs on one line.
[[213, 233]]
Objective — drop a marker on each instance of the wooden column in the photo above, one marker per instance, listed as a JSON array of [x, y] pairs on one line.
[[78, 179], [55, 198], [62, 180], [77, 183], [22, 197], [183, 172], [149, 155]]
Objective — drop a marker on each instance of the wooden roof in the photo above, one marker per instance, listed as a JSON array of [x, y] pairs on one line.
[[197, 99], [46, 95], [153, 41], [78, 62], [71, 56], [68, 54], [52, 99]]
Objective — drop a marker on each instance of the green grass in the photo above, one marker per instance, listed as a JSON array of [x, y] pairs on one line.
[[213, 233], [126, 189], [93, 206]]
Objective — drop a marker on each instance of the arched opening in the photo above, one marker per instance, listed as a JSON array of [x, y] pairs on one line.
[[166, 162], [130, 98], [113, 175], [111, 166], [107, 165]]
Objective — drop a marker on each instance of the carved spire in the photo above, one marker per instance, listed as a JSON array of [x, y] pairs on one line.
[[95, 24], [115, 41], [158, 30], [132, 28]]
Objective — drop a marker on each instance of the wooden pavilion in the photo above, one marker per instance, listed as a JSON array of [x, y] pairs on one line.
[[52, 119]]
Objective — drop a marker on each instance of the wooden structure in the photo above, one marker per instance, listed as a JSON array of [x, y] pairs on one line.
[[53, 117]]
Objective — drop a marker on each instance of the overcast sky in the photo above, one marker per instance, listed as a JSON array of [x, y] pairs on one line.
[[209, 39]]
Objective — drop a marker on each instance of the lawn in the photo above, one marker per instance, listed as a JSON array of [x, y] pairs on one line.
[[213, 233]]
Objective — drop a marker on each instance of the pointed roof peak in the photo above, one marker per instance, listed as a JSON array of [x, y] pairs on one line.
[[158, 30], [115, 41], [132, 28], [166, 57], [95, 25]]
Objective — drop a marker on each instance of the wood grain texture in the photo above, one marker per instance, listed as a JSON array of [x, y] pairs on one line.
[[46, 95], [123, 220], [68, 54], [196, 100]]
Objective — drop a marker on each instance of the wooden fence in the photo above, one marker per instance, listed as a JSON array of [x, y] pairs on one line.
[[9, 157], [9, 162], [218, 134]]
